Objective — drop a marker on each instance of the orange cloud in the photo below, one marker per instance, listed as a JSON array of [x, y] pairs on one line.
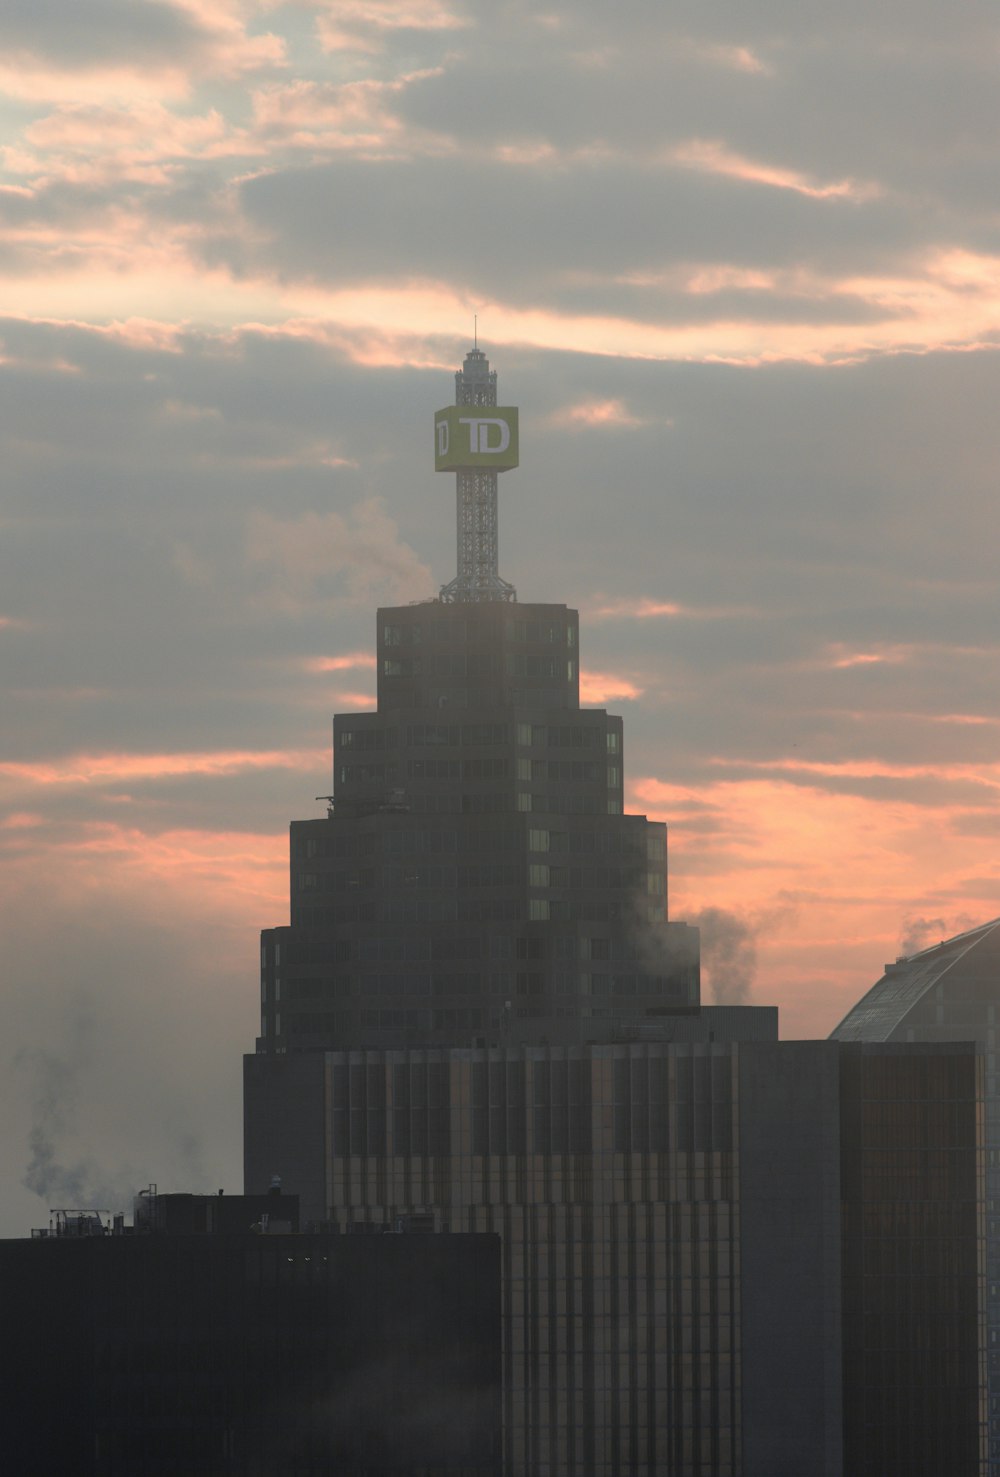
[[337, 116], [988, 775], [644, 609], [864, 659], [359, 700], [604, 687], [405, 322], [713, 157], [838, 872], [362, 25], [612, 413], [98, 769], [346, 663]]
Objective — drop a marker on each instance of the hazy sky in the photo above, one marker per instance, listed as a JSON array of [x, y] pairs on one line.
[[739, 266]]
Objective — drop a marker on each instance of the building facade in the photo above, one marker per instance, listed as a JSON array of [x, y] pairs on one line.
[[729, 1259], [951, 992]]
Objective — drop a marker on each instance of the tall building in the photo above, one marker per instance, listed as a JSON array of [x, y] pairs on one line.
[[481, 1018], [476, 879], [951, 992]]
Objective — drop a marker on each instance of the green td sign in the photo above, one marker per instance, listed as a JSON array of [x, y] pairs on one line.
[[474, 437]]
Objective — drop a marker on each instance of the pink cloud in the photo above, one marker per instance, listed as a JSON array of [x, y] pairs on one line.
[[346, 663], [335, 116], [839, 656], [359, 700], [645, 608], [363, 25], [841, 871], [98, 769], [613, 413], [604, 687], [868, 769], [712, 157]]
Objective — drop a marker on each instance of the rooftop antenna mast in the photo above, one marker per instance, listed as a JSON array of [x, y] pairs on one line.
[[476, 447]]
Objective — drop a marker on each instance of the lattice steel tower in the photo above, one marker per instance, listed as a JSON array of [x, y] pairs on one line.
[[489, 439]]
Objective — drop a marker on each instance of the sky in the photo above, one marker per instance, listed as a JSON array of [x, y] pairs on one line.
[[739, 267]]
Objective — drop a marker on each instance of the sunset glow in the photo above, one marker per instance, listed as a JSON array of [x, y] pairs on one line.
[[741, 281]]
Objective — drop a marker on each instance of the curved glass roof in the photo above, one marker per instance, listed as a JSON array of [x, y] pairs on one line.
[[879, 1013]]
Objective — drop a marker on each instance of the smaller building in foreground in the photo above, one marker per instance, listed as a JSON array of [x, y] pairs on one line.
[[238, 1354]]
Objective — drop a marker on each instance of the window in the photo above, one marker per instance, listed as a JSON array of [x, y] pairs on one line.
[[538, 909], [538, 875], [538, 840]]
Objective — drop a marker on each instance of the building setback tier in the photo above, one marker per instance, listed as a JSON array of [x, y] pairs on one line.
[[476, 879]]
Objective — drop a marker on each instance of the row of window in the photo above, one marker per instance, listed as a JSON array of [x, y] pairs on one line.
[[499, 982], [474, 910], [443, 875], [578, 771], [490, 839], [585, 735], [496, 802], [648, 1118], [485, 664], [635, 842], [414, 633], [557, 947]]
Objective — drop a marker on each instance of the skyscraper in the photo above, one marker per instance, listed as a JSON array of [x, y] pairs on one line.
[[481, 1018], [476, 879]]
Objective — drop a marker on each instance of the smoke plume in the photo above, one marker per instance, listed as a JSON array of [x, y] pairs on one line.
[[728, 954], [55, 1078], [922, 933]]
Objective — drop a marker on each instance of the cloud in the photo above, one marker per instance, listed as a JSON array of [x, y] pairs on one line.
[[597, 688], [714, 157], [347, 663], [367, 25], [96, 48], [85, 769], [609, 414], [332, 557], [753, 333]]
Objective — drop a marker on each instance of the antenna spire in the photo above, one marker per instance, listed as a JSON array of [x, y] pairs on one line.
[[476, 439], [475, 330]]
